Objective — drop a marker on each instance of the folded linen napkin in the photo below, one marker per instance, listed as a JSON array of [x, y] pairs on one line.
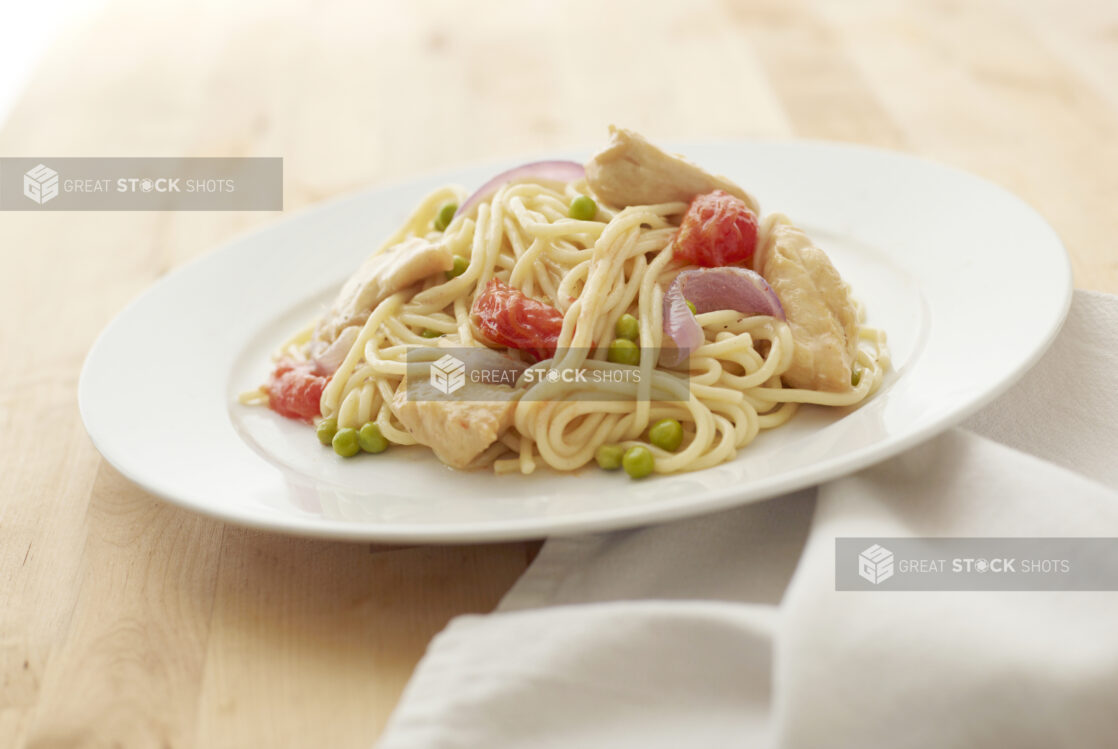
[[727, 631]]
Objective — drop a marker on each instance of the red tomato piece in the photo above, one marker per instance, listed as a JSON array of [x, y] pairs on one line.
[[294, 390], [508, 317], [718, 229]]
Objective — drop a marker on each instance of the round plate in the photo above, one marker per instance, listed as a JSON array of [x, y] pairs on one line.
[[969, 283]]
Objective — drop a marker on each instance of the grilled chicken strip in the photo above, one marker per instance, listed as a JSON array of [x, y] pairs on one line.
[[632, 171]]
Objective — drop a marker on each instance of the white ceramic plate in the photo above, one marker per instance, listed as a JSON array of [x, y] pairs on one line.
[[970, 284]]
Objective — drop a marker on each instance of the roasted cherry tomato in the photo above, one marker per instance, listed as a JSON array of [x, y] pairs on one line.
[[508, 317], [295, 390], [718, 229]]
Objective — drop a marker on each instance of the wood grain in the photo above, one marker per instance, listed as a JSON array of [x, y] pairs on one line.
[[127, 622]]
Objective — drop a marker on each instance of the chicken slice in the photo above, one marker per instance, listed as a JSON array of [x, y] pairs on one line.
[[461, 425], [456, 430], [632, 171], [378, 278], [817, 304]]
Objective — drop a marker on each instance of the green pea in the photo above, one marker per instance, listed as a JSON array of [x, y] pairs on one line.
[[583, 208], [371, 440], [460, 266], [666, 434], [624, 351], [855, 377], [345, 442], [609, 457], [326, 429], [628, 327], [445, 216], [637, 461], [428, 333], [691, 306]]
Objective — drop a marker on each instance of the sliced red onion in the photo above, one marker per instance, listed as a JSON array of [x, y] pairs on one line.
[[555, 171], [710, 289]]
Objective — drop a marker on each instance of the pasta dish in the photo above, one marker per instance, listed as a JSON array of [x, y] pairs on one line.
[[688, 320]]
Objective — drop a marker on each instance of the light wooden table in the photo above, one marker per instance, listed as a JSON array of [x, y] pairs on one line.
[[126, 622]]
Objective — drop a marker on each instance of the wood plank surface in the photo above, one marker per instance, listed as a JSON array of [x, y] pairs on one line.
[[127, 622]]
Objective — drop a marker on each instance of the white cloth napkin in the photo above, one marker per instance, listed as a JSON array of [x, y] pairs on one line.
[[726, 630]]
